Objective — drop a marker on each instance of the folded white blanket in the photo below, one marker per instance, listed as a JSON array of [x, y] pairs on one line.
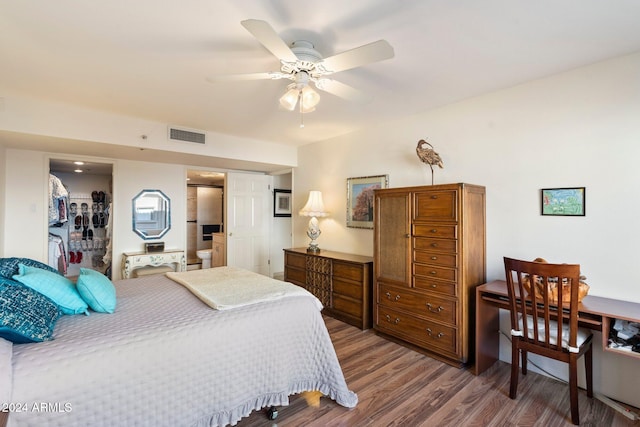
[[224, 288]]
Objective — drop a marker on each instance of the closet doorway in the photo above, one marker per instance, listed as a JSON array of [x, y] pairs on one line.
[[205, 218], [80, 236]]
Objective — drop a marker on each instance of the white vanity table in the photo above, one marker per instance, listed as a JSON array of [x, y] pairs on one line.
[[133, 260]]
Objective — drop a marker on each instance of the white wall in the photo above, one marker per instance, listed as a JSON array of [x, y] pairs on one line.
[[579, 128]]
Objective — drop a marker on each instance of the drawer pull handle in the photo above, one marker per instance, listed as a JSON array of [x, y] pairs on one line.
[[433, 272], [433, 230], [434, 197], [436, 310], [395, 322], [389, 296], [434, 245], [407, 235], [434, 285], [434, 258], [430, 332]]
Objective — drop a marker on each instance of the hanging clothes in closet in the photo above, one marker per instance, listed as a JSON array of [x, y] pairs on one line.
[[57, 253], [58, 202]]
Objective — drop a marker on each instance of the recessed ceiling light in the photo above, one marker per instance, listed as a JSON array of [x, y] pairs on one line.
[[78, 163], [78, 170]]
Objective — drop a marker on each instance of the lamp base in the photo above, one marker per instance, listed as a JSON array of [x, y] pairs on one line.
[[313, 249]]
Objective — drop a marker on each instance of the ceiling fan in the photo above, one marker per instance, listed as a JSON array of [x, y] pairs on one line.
[[303, 65]]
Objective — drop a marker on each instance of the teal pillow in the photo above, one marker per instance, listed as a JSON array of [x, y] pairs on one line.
[[25, 315], [54, 286], [97, 290]]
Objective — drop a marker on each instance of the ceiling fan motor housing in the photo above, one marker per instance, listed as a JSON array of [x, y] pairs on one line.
[[307, 58]]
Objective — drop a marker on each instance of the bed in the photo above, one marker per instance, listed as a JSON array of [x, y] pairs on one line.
[[166, 358]]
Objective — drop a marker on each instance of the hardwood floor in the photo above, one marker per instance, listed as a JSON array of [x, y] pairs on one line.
[[400, 387]]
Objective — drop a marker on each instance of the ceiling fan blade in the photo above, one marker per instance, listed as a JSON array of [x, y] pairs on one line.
[[268, 37], [372, 52], [249, 76], [342, 90]]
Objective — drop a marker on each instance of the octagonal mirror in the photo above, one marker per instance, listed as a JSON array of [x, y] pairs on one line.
[[151, 214]]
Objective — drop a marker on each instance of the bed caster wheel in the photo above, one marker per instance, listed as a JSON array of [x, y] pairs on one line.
[[272, 413]]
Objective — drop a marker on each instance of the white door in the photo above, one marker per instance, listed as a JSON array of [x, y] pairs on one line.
[[247, 221]]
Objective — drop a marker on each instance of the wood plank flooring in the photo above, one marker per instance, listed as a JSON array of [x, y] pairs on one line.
[[400, 387]]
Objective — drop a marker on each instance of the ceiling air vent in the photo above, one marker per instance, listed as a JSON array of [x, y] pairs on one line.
[[187, 135]]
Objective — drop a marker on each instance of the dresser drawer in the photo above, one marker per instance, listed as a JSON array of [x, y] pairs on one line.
[[436, 258], [434, 285], [350, 289], [418, 303], [347, 270], [295, 275], [347, 306], [442, 273], [295, 260], [418, 331], [436, 205], [434, 230], [443, 245]]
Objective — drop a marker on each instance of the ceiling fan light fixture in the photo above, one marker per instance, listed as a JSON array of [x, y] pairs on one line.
[[290, 98], [309, 99]]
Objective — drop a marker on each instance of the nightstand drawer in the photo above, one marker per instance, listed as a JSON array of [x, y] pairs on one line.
[[442, 245]]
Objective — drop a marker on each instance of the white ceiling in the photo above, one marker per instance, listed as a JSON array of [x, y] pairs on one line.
[[150, 59]]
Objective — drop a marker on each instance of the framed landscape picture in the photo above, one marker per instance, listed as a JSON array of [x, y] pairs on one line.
[[562, 201], [360, 199]]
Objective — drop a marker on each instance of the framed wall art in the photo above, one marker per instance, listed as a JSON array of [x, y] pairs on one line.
[[562, 201], [360, 199], [281, 203]]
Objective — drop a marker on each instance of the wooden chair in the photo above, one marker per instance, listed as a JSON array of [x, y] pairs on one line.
[[530, 298]]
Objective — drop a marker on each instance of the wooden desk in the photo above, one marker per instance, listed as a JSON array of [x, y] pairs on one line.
[[596, 313]]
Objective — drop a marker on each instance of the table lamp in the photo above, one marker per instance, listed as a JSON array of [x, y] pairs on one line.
[[314, 208]]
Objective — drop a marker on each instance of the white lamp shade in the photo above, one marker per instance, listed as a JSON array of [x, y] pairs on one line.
[[314, 206]]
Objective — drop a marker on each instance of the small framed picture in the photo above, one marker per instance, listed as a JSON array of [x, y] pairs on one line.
[[281, 203], [360, 199], [562, 201]]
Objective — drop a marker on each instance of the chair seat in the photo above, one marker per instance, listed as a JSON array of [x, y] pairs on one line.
[[583, 334]]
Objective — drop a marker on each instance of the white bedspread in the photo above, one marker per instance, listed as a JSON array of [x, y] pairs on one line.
[[166, 359], [224, 288]]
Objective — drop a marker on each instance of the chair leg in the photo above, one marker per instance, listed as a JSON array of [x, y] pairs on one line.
[[573, 389], [524, 361], [588, 369], [515, 362]]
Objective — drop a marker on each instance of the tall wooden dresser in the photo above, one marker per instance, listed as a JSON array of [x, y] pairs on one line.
[[341, 281], [429, 255]]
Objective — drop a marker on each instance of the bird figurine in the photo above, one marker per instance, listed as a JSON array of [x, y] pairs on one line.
[[428, 156]]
